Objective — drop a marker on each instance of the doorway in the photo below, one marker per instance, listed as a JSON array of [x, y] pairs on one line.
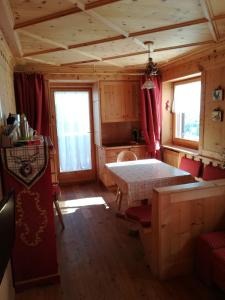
[[74, 135]]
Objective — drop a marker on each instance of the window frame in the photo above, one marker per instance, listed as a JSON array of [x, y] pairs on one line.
[[178, 141]]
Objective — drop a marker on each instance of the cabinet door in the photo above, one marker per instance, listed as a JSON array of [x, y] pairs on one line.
[[132, 101], [112, 102]]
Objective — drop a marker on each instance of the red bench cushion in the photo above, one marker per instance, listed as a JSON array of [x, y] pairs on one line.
[[206, 244], [219, 267], [191, 166], [141, 214], [211, 173]]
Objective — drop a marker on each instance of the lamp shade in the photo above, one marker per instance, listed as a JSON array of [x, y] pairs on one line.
[[148, 84]]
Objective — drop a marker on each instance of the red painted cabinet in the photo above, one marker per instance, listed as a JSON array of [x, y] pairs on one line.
[[34, 258]]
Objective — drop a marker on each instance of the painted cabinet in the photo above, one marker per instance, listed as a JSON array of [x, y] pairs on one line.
[[27, 170], [119, 101], [109, 155]]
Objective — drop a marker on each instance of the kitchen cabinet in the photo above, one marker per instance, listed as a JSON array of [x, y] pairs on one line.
[[109, 155], [119, 101]]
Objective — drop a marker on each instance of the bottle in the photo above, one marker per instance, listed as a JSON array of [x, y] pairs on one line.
[[24, 128]]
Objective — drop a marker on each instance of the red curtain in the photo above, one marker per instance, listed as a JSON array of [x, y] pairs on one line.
[[151, 116], [31, 100]]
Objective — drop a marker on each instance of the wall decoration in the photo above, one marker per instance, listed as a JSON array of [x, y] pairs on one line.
[[217, 115], [217, 94]]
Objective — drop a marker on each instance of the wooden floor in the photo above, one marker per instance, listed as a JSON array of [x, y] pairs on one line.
[[99, 260]]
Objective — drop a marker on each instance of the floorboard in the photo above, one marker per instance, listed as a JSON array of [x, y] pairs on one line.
[[99, 260]]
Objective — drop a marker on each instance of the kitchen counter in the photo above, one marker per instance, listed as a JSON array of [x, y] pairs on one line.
[[122, 145]]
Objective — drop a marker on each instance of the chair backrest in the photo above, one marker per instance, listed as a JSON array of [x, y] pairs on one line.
[[191, 166], [211, 173], [126, 155]]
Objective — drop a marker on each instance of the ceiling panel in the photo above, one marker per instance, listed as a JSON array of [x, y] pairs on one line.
[[32, 45], [63, 57], [180, 36], [218, 7], [25, 10], [136, 15], [158, 57], [72, 29], [114, 48]]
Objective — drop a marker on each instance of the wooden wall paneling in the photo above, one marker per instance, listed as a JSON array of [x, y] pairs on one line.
[[202, 112], [97, 114], [6, 26], [180, 213], [167, 99], [7, 105], [7, 99], [213, 131]]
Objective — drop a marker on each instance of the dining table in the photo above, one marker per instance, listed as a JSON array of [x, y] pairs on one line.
[[136, 179]]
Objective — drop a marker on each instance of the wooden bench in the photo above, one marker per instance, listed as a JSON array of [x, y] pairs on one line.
[[180, 213]]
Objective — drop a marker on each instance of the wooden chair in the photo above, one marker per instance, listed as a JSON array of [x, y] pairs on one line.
[[56, 191], [56, 194], [125, 155]]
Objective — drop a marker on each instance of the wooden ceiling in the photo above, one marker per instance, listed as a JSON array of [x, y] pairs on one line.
[[109, 32]]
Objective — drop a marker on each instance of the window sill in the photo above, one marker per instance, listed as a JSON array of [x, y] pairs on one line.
[[181, 149]]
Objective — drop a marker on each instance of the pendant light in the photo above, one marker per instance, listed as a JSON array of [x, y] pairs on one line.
[[151, 70]]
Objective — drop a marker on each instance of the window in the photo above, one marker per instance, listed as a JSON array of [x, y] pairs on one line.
[[186, 108]]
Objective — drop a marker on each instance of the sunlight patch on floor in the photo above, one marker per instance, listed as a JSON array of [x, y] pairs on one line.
[[71, 206]]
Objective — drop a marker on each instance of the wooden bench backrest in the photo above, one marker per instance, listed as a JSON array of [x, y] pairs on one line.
[[179, 215]]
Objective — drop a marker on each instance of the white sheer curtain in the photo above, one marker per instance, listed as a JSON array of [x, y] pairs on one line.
[[73, 129], [187, 98]]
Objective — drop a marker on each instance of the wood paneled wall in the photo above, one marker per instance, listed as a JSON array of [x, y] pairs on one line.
[[7, 104], [7, 100], [212, 141]]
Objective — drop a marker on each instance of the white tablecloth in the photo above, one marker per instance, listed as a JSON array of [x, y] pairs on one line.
[[137, 179]]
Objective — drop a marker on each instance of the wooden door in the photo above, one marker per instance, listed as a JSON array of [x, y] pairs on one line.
[[81, 165], [112, 101]]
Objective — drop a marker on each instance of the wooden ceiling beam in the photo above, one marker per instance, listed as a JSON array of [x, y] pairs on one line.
[[6, 25], [63, 13], [169, 27], [207, 11]]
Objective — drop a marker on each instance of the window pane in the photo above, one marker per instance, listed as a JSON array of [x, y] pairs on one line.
[[187, 108], [73, 129]]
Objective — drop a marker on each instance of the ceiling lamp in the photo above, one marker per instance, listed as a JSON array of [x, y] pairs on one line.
[[151, 70]]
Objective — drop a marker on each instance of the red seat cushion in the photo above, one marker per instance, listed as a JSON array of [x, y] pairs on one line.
[[211, 173], [141, 214], [219, 267], [206, 244], [191, 166]]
